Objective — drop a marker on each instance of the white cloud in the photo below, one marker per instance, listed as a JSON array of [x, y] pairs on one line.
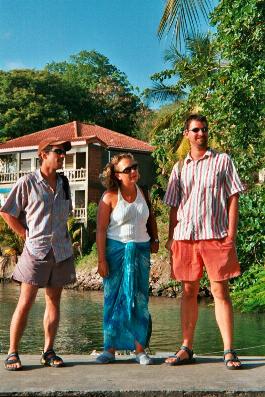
[[10, 65]]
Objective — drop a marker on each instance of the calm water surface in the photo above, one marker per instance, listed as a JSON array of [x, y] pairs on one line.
[[81, 325]]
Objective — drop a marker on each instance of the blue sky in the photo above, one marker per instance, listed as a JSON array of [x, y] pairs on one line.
[[36, 32]]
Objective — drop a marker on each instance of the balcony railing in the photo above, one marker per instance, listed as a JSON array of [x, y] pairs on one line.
[[80, 213], [74, 175]]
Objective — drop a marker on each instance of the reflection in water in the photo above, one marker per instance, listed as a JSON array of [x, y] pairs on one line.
[[81, 325]]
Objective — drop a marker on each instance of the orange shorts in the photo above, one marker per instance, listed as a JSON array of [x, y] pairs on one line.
[[218, 256]]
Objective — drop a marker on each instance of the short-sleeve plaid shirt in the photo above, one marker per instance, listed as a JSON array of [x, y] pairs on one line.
[[44, 214], [200, 192]]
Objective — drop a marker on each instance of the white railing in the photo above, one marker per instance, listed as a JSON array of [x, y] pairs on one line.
[[74, 175], [11, 177], [80, 213]]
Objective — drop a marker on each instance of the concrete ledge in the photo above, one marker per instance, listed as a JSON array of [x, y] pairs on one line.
[[82, 376]]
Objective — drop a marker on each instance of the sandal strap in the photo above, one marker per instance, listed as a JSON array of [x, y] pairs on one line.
[[186, 349], [14, 354], [47, 353], [231, 351]]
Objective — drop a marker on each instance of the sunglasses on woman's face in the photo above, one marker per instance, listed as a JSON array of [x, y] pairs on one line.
[[127, 170]]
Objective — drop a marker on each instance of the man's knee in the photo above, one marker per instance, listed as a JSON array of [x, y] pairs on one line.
[[220, 290], [190, 290]]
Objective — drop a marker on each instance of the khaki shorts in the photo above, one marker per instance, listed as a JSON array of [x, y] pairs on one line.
[[44, 272], [218, 256]]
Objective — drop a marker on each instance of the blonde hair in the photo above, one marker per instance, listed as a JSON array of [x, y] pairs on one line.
[[108, 178]]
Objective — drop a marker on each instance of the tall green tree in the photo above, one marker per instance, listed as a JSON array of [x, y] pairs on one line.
[[32, 100], [114, 103]]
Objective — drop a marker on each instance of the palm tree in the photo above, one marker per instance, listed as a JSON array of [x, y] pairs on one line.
[[188, 70], [185, 16]]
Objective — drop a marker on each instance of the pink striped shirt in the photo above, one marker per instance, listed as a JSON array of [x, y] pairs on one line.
[[200, 193]]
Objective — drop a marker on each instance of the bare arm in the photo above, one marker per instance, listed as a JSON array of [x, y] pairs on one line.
[[232, 216], [172, 224], [103, 218], [14, 224]]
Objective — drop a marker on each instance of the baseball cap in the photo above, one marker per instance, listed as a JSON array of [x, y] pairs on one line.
[[52, 141]]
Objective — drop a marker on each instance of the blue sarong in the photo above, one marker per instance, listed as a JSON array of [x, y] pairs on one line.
[[126, 295]]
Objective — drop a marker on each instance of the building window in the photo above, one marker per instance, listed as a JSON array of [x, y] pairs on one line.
[[69, 161], [25, 165], [80, 199]]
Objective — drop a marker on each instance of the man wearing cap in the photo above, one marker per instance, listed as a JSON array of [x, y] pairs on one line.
[[37, 210]]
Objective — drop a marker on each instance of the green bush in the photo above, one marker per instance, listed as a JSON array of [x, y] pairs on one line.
[[249, 291], [251, 238]]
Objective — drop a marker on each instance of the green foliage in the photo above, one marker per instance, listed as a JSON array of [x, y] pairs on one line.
[[74, 230], [188, 70], [87, 88], [92, 210], [184, 16], [113, 103], [87, 262], [32, 100], [249, 295], [8, 239], [251, 227]]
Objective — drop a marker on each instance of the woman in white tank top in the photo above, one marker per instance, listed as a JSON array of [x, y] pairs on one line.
[[124, 260]]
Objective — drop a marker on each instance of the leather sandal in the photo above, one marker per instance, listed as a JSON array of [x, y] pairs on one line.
[[49, 357], [182, 361], [8, 361], [235, 359]]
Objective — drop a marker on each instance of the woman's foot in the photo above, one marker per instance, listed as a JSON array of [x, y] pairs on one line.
[[143, 358], [106, 357]]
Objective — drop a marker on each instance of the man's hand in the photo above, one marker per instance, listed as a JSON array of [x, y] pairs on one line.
[[103, 268]]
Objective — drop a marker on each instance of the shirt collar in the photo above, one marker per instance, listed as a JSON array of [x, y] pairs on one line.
[[207, 154], [40, 178]]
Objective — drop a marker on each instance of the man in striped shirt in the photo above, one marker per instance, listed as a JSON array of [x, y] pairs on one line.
[[203, 193], [37, 210]]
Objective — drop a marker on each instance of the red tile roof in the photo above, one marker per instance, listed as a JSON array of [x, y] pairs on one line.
[[76, 131]]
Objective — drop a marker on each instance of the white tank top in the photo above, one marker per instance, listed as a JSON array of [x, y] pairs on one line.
[[128, 220]]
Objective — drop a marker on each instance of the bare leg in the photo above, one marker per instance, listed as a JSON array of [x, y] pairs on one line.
[[138, 348], [51, 316], [189, 316], [224, 315], [27, 297]]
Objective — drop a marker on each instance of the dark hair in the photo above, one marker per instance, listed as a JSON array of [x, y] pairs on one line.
[[197, 117], [108, 178]]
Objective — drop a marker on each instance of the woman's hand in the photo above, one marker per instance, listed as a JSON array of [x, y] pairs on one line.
[[103, 268], [168, 244], [154, 246]]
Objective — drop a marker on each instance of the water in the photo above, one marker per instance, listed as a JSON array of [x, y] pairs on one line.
[[81, 325]]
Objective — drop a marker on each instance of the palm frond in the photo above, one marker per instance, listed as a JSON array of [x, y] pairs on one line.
[[162, 92], [185, 16]]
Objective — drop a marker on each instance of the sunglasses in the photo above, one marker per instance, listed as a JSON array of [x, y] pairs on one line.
[[58, 151], [197, 129], [127, 170]]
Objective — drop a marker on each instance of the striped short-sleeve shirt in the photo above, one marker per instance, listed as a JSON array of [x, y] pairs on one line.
[[200, 191], [43, 213]]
